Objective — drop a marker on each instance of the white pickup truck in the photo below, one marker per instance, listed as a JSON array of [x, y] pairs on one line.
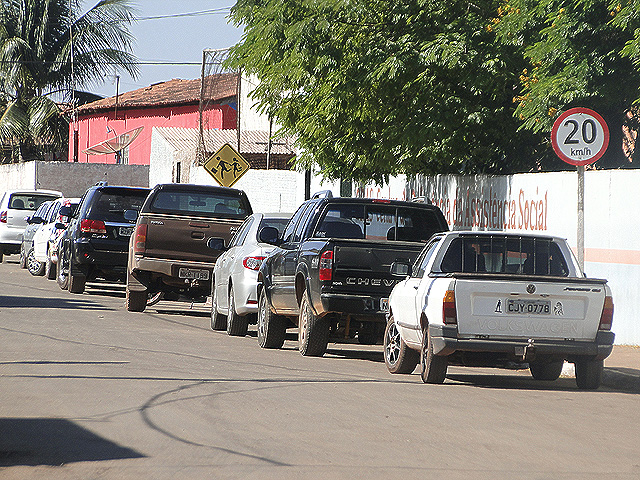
[[497, 299]]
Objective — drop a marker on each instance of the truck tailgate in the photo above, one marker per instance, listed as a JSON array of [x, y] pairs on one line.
[[528, 308]]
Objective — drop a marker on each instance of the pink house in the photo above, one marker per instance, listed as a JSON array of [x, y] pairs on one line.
[[175, 103]]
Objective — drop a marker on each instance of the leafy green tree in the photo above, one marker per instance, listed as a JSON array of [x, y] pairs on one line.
[[581, 53], [37, 41], [373, 88]]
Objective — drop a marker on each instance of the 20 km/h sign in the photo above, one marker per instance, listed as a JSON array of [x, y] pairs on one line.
[[580, 136]]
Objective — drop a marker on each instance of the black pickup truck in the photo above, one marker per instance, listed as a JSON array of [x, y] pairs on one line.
[[330, 271]]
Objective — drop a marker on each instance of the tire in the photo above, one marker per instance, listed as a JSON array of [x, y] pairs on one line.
[[136, 301], [62, 275], [50, 269], [237, 325], [76, 282], [313, 331], [547, 371], [589, 374], [34, 267], [1, 256], [23, 257], [272, 328], [218, 321], [397, 356], [434, 368]]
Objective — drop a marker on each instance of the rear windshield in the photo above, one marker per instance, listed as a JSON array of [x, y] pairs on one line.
[[504, 254], [25, 201], [202, 204], [109, 206], [379, 222]]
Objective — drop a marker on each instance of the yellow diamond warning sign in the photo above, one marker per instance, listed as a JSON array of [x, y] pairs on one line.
[[226, 166]]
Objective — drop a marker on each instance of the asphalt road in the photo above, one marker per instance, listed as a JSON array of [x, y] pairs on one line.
[[91, 391]]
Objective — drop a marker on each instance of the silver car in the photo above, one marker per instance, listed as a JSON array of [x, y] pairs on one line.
[[235, 276]]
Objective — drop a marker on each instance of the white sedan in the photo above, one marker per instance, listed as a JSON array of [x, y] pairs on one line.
[[235, 276]]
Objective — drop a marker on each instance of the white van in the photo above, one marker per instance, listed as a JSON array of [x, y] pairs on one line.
[[15, 206]]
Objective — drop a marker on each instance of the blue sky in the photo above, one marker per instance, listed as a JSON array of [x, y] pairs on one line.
[[174, 37]]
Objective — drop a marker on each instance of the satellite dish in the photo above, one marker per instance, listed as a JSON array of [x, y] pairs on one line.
[[115, 144]]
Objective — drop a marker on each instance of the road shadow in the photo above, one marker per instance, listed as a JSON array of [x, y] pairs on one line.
[[10, 301], [54, 441]]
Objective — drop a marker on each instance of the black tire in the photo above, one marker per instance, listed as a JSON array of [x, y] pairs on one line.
[[434, 368], [76, 282], [313, 331], [50, 269], [34, 267], [397, 356], [589, 374], [218, 321], [62, 274], [136, 301], [1, 256], [237, 325], [272, 328], [547, 371], [23, 257]]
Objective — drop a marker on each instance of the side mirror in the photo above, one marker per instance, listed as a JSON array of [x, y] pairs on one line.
[[65, 211], [400, 269], [60, 226], [131, 215], [269, 235], [216, 243]]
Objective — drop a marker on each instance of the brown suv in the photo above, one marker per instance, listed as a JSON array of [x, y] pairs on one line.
[[180, 232]]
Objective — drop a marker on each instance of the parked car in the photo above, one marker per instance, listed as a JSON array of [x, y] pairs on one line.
[[94, 245], [494, 299], [34, 222], [15, 207], [45, 240], [179, 234], [235, 277]]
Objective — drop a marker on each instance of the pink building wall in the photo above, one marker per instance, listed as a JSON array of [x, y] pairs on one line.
[[99, 126]]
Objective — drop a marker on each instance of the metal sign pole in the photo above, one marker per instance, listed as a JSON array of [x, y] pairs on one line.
[[581, 216]]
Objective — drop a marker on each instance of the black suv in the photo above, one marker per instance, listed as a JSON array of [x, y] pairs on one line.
[[95, 243]]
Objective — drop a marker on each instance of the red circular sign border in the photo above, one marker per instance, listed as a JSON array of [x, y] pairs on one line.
[[556, 126]]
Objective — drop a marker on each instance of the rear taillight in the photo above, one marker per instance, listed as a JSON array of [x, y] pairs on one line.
[[92, 226], [449, 316], [252, 263], [3, 216], [607, 314], [140, 239], [326, 265]]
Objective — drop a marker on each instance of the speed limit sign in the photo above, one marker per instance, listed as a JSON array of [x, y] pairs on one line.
[[580, 136]]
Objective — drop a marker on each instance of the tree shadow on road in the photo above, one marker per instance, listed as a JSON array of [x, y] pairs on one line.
[[10, 301]]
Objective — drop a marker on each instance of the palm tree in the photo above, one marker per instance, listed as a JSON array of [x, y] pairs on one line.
[[38, 41]]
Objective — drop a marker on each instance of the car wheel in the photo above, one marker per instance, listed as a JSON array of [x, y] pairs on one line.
[[50, 269], [34, 267], [313, 331], [589, 374], [237, 325], [76, 282], [62, 275], [23, 257], [272, 328], [548, 371], [397, 356], [218, 321], [153, 298], [136, 301], [434, 368]]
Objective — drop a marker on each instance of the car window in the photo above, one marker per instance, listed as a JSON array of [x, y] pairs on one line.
[[26, 201], [201, 203], [420, 266], [52, 213], [238, 238], [110, 205], [279, 223], [297, 236], [41, 211], [290, 229]]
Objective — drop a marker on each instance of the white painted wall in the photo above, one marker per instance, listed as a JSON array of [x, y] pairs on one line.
[[547, 203]]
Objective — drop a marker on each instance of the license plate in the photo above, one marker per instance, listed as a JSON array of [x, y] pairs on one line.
[[529, 307], [193, 274], [384, 304], [125, 231]]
